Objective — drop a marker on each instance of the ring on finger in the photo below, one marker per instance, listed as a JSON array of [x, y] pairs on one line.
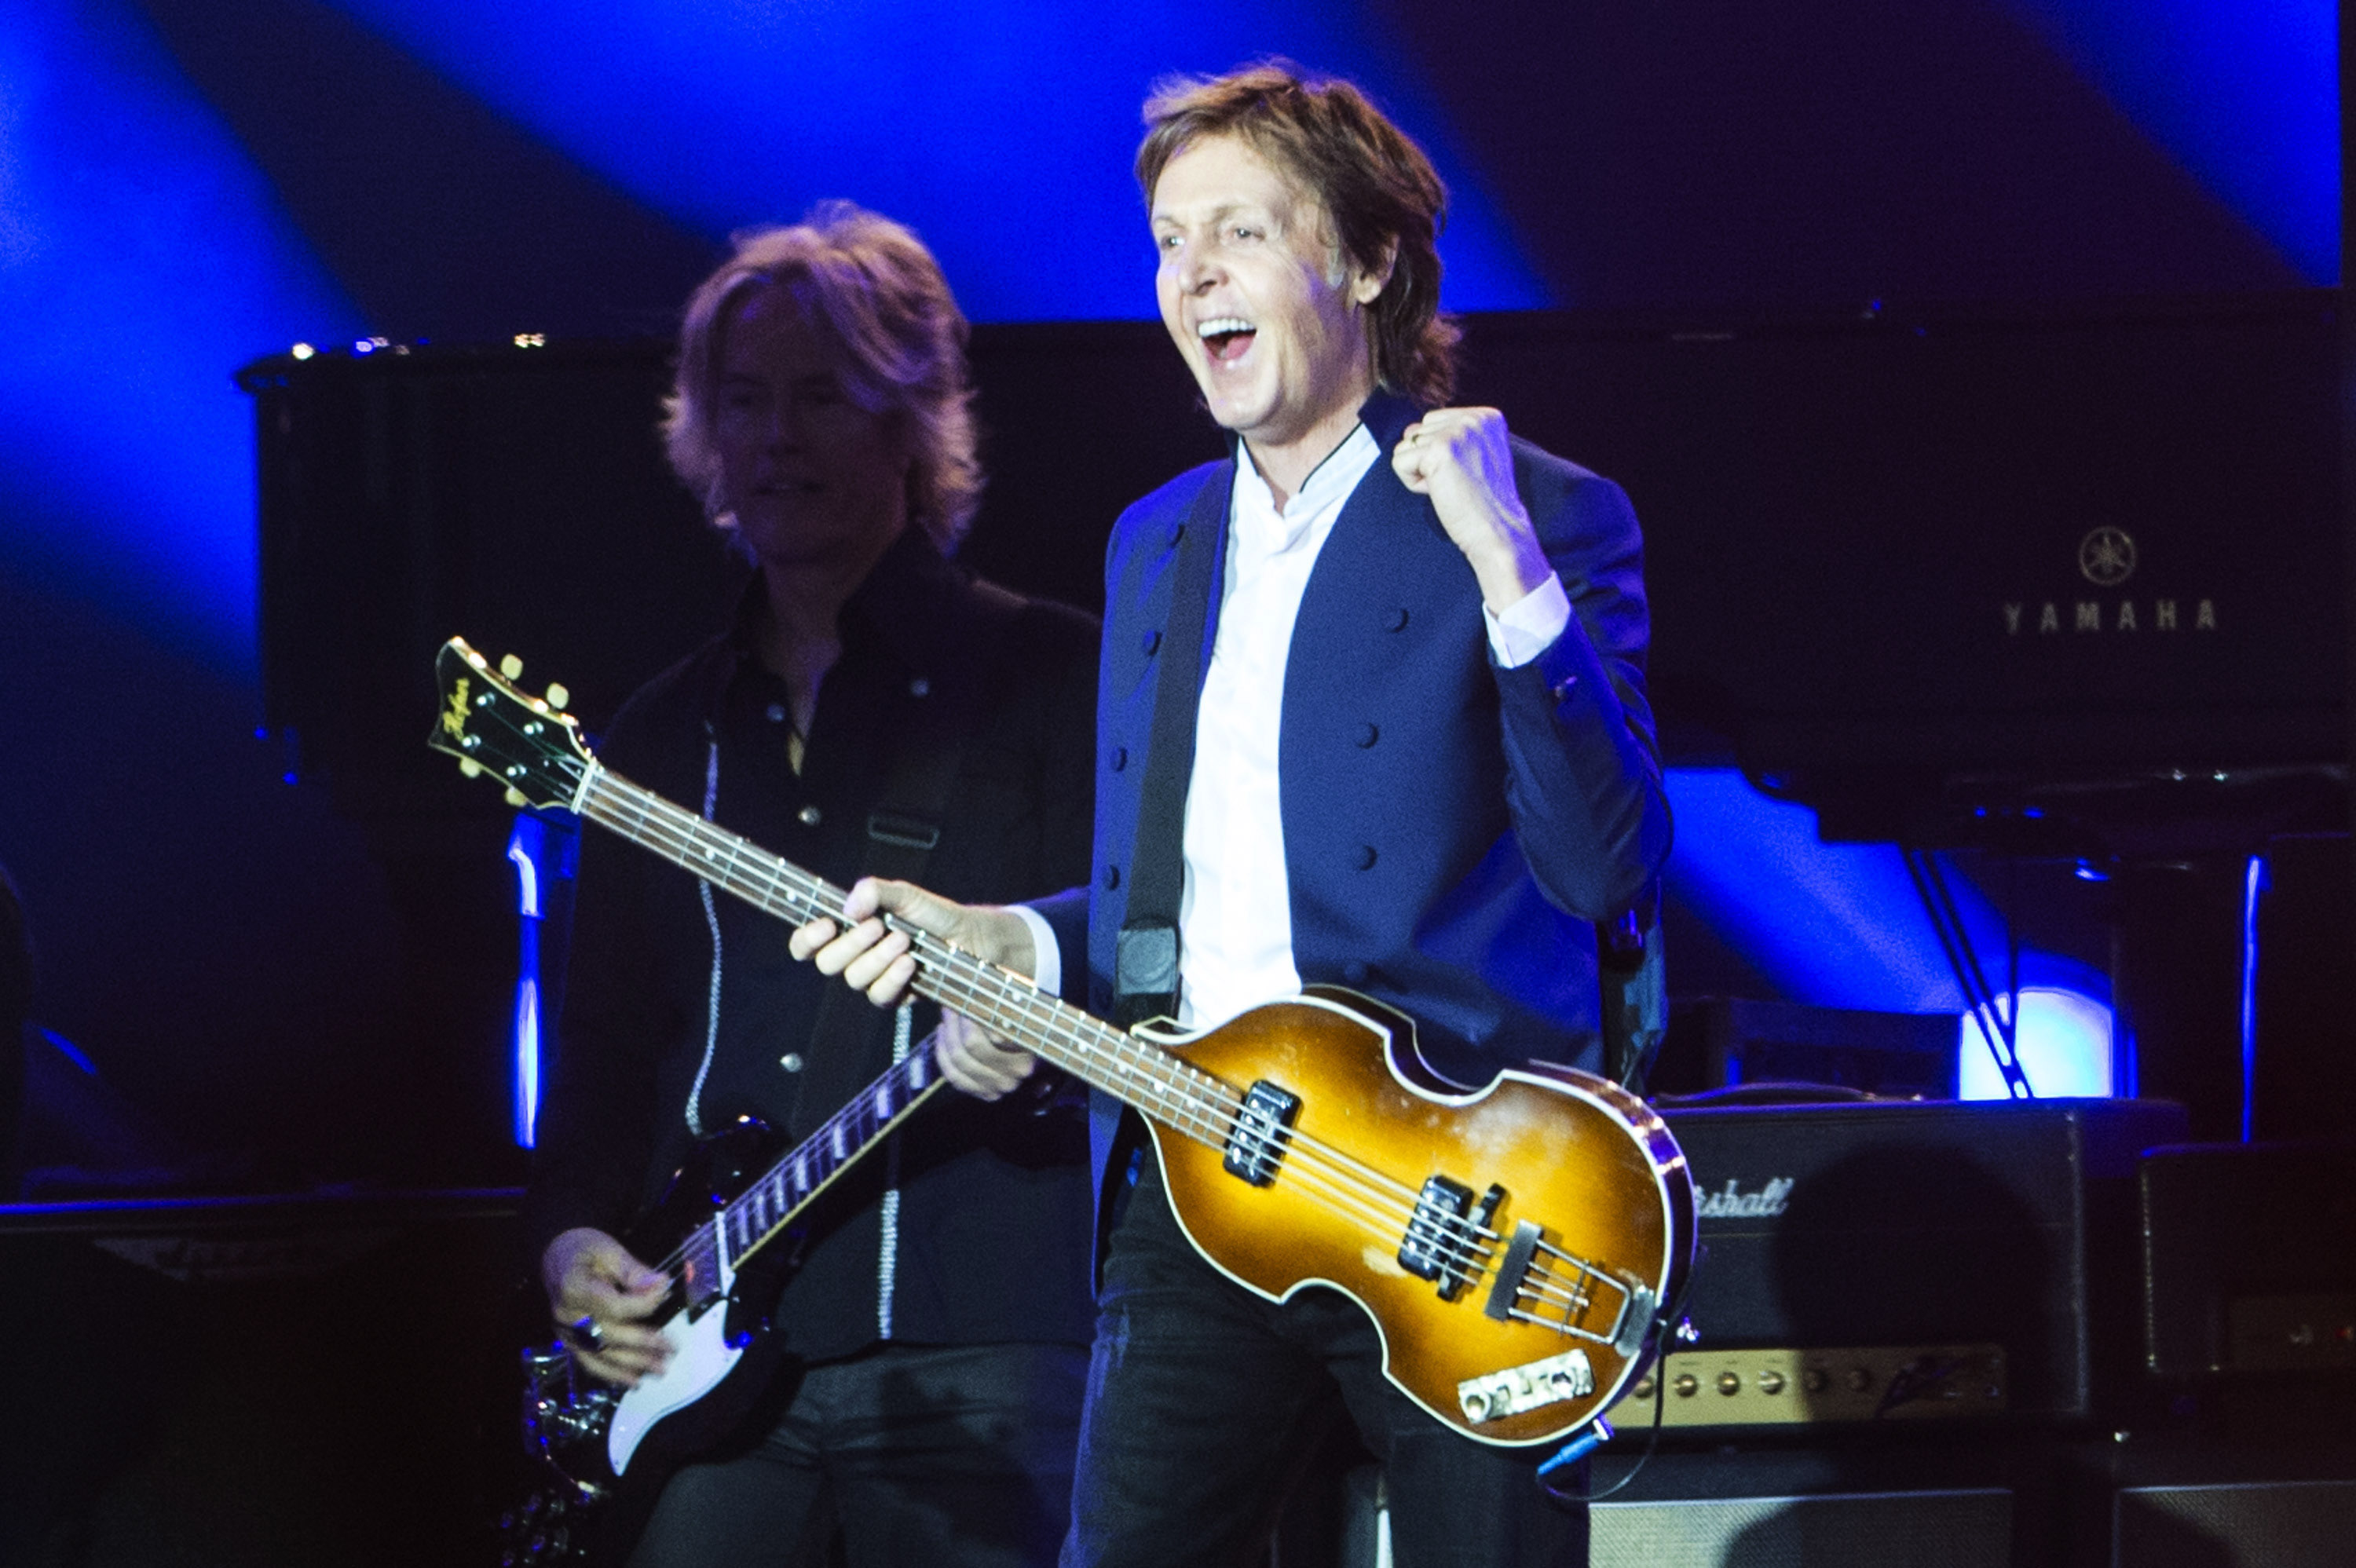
[[587, 1335]]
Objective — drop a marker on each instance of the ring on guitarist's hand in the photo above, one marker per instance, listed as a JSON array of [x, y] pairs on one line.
[[587, 1335]]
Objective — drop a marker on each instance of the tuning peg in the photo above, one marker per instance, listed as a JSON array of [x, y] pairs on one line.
[[515, 797], [511, 666], [557, 696], [471, 768]]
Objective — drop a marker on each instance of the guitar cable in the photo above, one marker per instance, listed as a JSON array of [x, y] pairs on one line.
[[1580, 1447]]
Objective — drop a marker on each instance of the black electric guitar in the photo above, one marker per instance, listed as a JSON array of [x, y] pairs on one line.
[[727, 1231], [1516, 1243]]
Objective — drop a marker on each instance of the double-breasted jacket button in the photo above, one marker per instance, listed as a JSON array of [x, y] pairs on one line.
[[1367, 735], [1394, 619], [1111, 878], [1117, 758], [1153, 640], [1365, 857]]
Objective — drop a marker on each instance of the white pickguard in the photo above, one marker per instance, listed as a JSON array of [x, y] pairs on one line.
[[699, 1357]]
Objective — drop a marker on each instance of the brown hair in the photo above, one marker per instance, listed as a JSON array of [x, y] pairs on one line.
[[870, 285], [1377, 189]]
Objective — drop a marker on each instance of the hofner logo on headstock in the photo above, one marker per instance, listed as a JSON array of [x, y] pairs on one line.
[[2107, 558]]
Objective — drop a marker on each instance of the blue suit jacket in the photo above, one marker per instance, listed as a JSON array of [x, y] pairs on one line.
[[1451, 829]]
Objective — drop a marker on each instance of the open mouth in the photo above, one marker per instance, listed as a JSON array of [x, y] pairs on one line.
[[1226, 337]]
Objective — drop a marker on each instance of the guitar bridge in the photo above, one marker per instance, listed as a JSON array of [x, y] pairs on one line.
[[1264, 1126]]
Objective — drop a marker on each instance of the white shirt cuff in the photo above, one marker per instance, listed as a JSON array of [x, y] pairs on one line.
[[1047, 966], [1529, 625]]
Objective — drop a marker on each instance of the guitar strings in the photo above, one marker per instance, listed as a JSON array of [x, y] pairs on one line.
[[1205, 1109], [1461, 1244]]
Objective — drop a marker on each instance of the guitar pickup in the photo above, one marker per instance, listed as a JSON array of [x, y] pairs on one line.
[[1437, 1243], [1264, 1126]]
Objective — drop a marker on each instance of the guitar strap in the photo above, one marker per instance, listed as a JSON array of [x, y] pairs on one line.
[[904, 827], [1634, 991], [1145, 965]]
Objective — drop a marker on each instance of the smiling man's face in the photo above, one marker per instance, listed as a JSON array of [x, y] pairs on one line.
[[1266, 312]]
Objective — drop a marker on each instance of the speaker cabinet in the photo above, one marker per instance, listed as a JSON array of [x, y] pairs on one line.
[[2239, 1524], [262, 1381]]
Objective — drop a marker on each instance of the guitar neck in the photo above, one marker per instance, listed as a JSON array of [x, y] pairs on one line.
[[1162, 1086]]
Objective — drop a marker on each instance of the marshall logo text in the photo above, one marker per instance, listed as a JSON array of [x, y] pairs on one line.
[[1733, 1203]]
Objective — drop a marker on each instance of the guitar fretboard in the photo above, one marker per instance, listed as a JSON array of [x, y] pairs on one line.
[[756, 1215]]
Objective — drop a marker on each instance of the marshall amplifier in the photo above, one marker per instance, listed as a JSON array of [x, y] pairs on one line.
[[1923, 1257]]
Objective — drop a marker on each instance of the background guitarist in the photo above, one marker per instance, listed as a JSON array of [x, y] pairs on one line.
[[867, 696], [1419, 764]]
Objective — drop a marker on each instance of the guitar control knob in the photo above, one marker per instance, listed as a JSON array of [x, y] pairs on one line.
[[558, 696], [511, 666], [471, 768]]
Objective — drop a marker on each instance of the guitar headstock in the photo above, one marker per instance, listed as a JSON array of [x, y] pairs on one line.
[[491, 727]]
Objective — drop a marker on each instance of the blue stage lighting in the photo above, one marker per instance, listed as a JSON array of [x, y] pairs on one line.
[[2243, 92], [2064, 1045], [525, 848], [1834, 924], [1002, 133], [142, 259]]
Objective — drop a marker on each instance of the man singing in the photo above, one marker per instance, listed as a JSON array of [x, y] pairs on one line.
[[1420, 764]]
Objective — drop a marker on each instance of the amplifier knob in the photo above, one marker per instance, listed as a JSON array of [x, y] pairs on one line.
[[1859, 1380], [1730, 1383], [1644, 1389], [1687, 1385], [1815, 1380], [1771, 1381]]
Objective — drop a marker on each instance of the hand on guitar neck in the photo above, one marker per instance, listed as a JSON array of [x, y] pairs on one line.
[[592, 1280], [873, 958]]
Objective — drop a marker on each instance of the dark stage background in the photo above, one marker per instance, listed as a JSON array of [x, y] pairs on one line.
[[196, 186]]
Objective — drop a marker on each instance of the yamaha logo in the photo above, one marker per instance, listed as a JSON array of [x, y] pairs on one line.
[[2107, 557]]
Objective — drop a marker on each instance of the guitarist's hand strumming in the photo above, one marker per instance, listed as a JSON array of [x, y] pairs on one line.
[[591, 1277]]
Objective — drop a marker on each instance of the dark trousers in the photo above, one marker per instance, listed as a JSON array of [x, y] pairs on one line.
[[951, 1455], [1205, 1401]]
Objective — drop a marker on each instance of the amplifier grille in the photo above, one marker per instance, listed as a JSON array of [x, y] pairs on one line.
[[1969, 1528]]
